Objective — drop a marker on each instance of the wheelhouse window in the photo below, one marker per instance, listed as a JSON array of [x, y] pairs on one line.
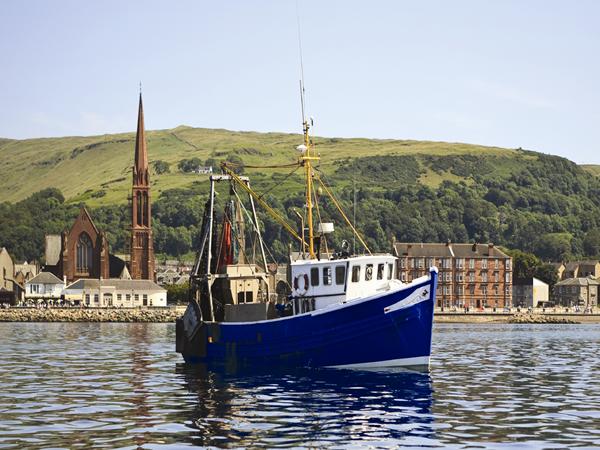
[[380, 269], [369, 272], [355, 274], [340, 274], [390, 270], [314, 276], [327, 276]]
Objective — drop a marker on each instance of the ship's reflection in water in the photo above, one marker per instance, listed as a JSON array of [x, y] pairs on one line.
[[123, 386], [315, 408]]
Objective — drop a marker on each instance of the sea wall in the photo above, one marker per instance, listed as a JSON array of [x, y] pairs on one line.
[[90, 314], [514, 318]]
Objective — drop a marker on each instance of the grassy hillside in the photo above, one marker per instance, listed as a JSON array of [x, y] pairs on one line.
[[97, 169], [406, 190]]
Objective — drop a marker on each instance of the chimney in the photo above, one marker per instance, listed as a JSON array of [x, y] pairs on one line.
[[474, 247], [448, 243], [490, 248]]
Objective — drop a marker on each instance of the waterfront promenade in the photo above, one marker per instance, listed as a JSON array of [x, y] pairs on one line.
[[169, 314], [156, 315]]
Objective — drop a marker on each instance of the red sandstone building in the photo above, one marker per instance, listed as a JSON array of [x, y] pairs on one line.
[[470, 275], [83, 252], [141, 262]]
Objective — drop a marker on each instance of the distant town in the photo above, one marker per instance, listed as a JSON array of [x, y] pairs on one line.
[[78, 269]]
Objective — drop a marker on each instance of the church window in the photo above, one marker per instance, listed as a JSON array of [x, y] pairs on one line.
[[84, 253], [139, 208], [145, 209]]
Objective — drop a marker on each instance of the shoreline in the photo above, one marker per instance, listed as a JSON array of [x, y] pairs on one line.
[[108, 315], [170, 314]]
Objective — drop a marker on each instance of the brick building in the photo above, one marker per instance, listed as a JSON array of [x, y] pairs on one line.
[[82, 252], [470, 275], [141, 260]]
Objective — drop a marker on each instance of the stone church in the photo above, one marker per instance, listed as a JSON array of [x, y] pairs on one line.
[[83, 251]]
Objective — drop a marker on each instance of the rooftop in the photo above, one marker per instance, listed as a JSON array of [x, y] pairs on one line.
[[45, 278], [117, 283]]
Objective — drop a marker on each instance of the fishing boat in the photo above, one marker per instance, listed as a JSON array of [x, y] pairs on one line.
[[340, 310]]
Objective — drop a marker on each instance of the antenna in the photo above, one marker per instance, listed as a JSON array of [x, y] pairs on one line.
[[302, 92]]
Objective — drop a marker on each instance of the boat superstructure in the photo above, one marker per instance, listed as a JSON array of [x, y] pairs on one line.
[[338, 310]]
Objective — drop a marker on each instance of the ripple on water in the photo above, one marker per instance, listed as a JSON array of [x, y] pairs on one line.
[[122, 386]]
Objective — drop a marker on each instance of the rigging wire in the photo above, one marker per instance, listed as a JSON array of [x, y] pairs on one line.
[[339, 207]]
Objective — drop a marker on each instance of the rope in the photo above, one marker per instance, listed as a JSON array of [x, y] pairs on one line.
[[336, 203]]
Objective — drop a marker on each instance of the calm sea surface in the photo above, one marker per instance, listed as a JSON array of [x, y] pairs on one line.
[[123, 386]]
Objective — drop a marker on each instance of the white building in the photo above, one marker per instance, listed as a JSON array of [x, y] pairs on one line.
[[530, 292], [115, 292], [44, 285]]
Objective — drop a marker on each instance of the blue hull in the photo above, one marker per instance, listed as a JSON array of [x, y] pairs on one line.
[[389, 329]]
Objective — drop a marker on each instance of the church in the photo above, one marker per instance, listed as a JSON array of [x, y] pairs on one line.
[[83, 251]]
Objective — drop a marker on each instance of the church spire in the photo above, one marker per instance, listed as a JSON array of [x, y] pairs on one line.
[[141, 262], [140, 171]]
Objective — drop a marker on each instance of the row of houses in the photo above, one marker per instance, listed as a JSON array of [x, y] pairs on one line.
[[122, 292], [25, 284]]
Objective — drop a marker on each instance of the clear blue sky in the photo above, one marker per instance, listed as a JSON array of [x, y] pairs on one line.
[[507, 73]]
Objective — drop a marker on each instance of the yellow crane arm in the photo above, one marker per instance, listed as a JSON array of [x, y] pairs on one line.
[[257, 197]]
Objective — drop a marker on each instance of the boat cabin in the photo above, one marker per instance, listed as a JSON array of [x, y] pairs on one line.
[[317, 284]]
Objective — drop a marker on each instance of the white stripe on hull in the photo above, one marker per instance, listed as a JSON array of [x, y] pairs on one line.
[[416, 361]]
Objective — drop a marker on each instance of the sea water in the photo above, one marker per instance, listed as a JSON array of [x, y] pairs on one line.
[[73, 385]]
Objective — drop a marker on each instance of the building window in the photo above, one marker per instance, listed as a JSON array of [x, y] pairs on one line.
[[403, 276], [136, 297], [459, 277], [420, 263], [507, 290], [496, 276], [497, 263], [403, 263], [145, 299], [369, 272], [430, 262], [128, 297], [446, 263], [496, 292], [472, 277], [87, 299], [327, 280], [96, 298], [484, 289], [484, 277], [472, 289], [471, 263], [84, 253], [460, 290], [119, 297], [507, 264], [355, 274], [460, 263], [484, 263], [340, 274], [507, 277], [412, 263], [380, 269]]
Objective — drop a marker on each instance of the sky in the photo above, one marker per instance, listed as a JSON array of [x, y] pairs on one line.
[[505, 73]]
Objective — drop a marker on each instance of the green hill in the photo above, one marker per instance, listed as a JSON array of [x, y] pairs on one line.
[[407, 190], [97, 169]]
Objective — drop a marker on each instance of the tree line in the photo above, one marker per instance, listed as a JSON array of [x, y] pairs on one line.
[[547, 207]]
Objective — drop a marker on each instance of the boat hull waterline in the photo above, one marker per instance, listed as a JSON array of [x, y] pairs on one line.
[[393, 328]]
